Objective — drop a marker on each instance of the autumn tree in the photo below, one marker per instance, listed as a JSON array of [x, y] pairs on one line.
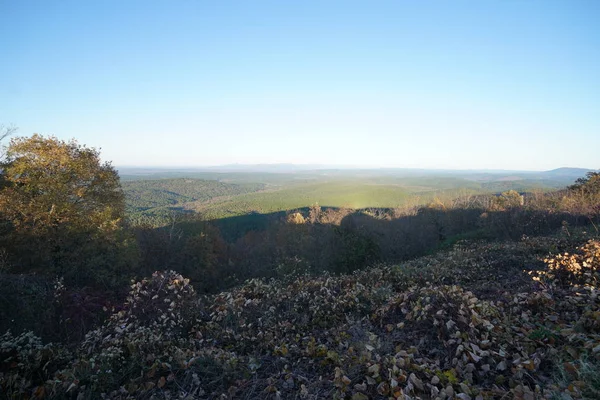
[[584, 196], [589, 184], [314, 213], [509, 199], [63, 204]]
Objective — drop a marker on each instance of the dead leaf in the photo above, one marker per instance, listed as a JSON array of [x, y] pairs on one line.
[[162, 382]]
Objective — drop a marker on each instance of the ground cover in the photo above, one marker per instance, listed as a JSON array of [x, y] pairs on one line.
[[479, 321]]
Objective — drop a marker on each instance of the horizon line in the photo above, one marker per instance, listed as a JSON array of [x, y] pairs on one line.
[[316, 167]]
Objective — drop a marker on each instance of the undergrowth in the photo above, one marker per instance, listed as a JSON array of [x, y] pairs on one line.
[[477, 321]]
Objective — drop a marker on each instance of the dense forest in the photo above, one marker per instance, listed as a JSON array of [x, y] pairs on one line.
[[124, 290], [156, 201]]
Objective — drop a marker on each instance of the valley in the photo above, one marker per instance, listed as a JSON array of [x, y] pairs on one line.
[[155, 194]]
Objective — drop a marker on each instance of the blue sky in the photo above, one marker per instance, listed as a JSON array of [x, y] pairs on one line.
[[511, 84]]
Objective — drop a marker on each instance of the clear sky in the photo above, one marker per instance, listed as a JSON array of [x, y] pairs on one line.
[[511, 84]]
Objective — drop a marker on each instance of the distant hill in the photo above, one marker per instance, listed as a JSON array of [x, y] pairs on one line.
[[318, 169], [567, 172]]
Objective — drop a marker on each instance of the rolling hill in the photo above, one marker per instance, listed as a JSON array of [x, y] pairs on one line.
[[219, 192]]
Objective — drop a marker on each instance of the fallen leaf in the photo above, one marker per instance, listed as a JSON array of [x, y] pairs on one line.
[[161, 382]]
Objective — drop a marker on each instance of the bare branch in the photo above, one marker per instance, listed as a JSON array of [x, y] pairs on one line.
[[6, 131]]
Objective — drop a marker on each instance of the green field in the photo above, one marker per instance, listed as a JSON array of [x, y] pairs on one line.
[[354, 194]]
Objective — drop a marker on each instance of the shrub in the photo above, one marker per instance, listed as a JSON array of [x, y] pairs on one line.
[[581, 267], [26, 364]]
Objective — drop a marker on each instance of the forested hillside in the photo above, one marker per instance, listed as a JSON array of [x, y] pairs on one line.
[[471, 296], [156, 198], [157, 201]]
